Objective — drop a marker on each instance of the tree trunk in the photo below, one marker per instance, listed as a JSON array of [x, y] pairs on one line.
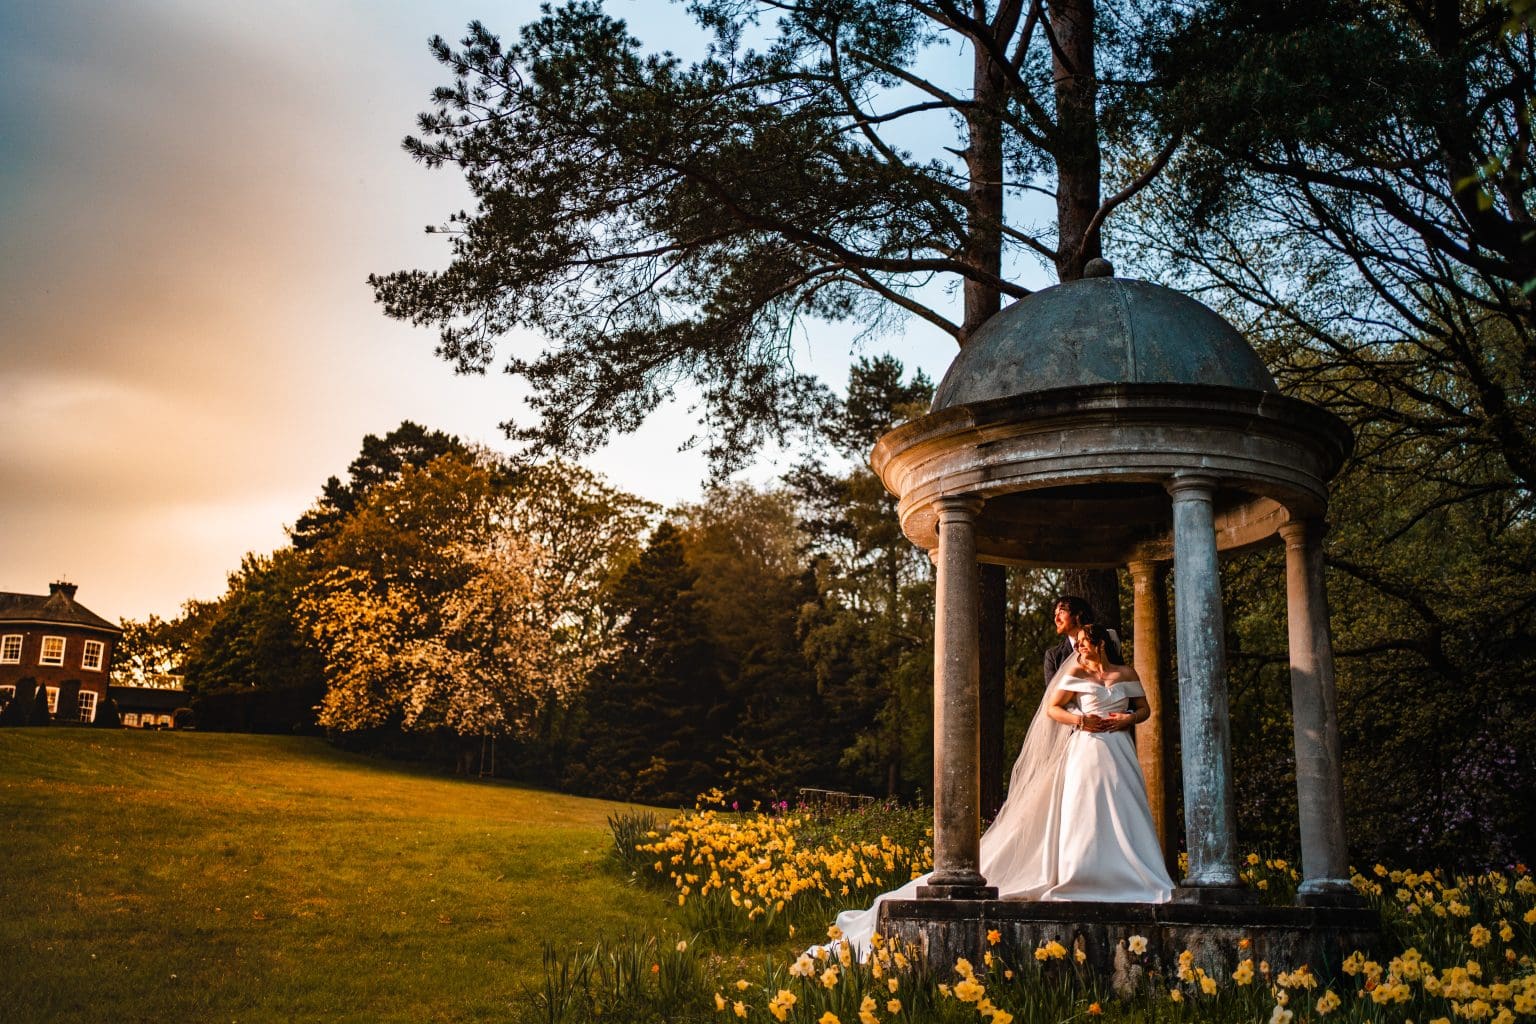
[[984, 189], [984, 249], [1100, 588], [1077, 134]]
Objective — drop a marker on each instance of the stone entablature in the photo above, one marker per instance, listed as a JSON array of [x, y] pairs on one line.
[[1078, 476]]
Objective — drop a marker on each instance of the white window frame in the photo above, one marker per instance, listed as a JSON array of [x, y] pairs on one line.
[[166, 720], [88, 707], [130, 719], [93, 647], [53, 700], [42, 654], [9, 642]]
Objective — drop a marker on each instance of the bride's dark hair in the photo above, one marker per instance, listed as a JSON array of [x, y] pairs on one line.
[[1098, 636]]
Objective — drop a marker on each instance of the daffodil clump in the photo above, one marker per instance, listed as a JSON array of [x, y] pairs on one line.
[[1454, 949], [1481, 970], [752, 875], [1272, 879]]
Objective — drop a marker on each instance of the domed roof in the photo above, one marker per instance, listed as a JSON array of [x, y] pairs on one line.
[[1100, 330]]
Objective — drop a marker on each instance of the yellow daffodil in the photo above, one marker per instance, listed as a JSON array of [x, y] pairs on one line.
[[969, 990]]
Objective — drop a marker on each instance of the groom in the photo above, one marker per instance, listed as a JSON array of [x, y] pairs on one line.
[[1071, 615]]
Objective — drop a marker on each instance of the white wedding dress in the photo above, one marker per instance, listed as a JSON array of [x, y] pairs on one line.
[[1076, 825]]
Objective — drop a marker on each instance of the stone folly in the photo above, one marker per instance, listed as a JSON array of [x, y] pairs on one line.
[[1104, 423]]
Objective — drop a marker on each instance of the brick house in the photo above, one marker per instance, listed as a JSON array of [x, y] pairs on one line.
[[50, 641]]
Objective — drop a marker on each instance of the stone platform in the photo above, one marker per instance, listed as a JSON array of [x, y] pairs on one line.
[[1285, 937]]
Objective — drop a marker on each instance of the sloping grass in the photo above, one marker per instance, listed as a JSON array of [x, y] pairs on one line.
[[208, 877]]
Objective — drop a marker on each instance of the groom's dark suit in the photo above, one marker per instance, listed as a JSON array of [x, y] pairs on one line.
[[1054, 656]]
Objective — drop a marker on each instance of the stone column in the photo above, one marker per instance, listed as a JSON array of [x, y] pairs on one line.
[[1314, 717], [1150, 632], [1209, 821], [956, 696]]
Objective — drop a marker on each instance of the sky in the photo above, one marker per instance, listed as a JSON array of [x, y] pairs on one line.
[[192, 194]]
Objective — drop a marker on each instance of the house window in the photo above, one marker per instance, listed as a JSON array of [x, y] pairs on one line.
[[165, 720], [91, 658], [87, 704], [7, 694], [53, 700], [131, 720], [53, 651], [10, 649]]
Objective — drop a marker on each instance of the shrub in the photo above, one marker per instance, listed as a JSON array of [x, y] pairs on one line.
[[277, 709], [107, 715], [67, 710], [18, 709], [39, 714]]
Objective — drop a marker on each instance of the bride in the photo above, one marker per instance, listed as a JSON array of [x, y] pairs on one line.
[[1075, 826]]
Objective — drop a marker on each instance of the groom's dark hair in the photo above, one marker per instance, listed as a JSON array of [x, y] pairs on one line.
[[1079, 609]]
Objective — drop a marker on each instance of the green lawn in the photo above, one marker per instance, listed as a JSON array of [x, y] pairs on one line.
[[205, 877]]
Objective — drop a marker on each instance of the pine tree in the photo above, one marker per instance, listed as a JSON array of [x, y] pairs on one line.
[[782, 738], [655, 713]]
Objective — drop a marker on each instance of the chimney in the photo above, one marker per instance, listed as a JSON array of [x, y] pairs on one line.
[[61, 587]]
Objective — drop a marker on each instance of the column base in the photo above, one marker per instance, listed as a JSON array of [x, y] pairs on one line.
[[1328, 892], [978, 891], [1214, 895]]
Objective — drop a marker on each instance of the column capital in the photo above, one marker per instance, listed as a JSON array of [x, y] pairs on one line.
[[954, 506], [1146, 569], [1300, 532], [1191, 486]]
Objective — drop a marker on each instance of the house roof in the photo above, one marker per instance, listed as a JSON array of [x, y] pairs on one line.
[[58, 606]]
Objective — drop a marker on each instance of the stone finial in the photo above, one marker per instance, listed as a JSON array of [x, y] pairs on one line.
[[1098, 267]]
